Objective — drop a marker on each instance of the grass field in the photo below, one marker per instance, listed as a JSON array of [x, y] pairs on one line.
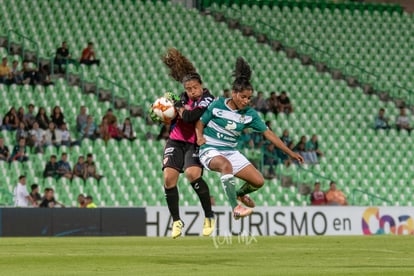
[[379, 255]]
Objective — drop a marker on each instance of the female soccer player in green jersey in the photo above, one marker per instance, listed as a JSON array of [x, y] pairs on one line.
[[218, 131]]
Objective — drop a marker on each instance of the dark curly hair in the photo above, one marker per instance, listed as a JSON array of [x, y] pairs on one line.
[[242, 75], [181, 69]]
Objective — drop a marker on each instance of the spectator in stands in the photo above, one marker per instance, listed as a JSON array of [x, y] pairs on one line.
[[334, 196], [10, 120], [226, 93], [43, 76], [51, 168], [89, 202], [4, 151], [57, 117], [79, 168], [271, 159], [81, 201], [89, 129], [34, 194], [21, 132], [103, 130], [16, 74], [21, 196], [317, 197], [38, 137], [90, 168], [49, 200], [20, 114], [286, 139], [110, 117], [64, 168], [30, 75], [309, 157], [403, 122], [114, 132], [66, 138], [52, 136], [82, 118], [62, 57], [260, 104], [289, 143], [273, 103], [284, 103], [5, 72], [381, 122], [127, 130], [88, 55], [29, 117], [42, 118], [313, 146], [19, 152]]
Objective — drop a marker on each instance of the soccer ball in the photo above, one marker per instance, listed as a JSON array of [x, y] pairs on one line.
[[164, 109]]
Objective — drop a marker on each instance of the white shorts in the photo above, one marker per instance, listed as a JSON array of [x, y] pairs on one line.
[[237, 160]]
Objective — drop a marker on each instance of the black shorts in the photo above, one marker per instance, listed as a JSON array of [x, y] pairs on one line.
[[180, 155]]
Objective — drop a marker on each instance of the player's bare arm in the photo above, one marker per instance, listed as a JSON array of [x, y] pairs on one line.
[[199, 128], [269, 135]]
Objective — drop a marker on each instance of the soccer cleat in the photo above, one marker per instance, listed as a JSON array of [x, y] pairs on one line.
[[246, 200], [240, 212], [208, 227], [177, 229]]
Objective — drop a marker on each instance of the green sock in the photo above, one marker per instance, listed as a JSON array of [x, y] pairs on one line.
[[229, 186], [247, 188]]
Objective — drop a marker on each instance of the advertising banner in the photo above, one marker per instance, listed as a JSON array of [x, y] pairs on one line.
[[60, 222], [290, 221]]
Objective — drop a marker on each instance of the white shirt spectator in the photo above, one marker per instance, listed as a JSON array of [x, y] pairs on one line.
[[65, 135], [20, 196], [39, 134], [49, 137], [403, 121]]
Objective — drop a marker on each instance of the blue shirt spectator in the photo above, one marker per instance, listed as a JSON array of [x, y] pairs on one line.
[[89, 128], [381, 122]]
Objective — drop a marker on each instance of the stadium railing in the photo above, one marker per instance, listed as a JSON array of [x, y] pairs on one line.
[[76, 63], [13, 36], [117, 99], [311, 4], [358, 198]]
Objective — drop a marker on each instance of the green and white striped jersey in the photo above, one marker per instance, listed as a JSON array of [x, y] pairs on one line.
[[223, 126]]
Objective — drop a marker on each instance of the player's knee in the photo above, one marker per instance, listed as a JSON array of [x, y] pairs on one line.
[[193, 175], [259, 182], [226, 168], [169, 182]]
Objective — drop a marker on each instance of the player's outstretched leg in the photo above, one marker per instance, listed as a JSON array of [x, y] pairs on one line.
[[242, 196], [203, 192], [254, 181], [229, 183]]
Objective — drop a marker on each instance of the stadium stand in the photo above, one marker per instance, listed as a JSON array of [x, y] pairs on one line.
[[368, 41], [129, 38]]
